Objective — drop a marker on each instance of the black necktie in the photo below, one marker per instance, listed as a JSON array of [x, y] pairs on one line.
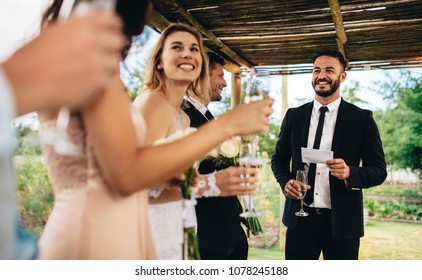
[[209, 115], [309, 198]]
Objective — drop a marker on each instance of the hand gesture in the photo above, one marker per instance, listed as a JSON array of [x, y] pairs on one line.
[[67, 64], [236, 181]]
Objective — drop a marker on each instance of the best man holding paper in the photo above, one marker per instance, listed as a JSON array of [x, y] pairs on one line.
[[334, 199]]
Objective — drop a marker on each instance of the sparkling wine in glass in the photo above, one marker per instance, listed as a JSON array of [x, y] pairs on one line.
[[248, 157], [302, 178]]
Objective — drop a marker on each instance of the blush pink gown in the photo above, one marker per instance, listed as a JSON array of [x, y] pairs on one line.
[[90, 220]]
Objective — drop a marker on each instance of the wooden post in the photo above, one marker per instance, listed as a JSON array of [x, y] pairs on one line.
[[284, 107], [339, 26], [236, 90], [284, 94]]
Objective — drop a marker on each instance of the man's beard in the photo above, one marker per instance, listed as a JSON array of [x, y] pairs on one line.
[[325, 93]]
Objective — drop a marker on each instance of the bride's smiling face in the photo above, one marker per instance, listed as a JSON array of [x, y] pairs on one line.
[[181, 58]]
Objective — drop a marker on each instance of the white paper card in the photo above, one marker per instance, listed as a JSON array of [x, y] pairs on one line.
[[316, 156]]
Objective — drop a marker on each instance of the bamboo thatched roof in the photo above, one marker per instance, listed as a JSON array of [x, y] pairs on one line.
[[271, 33]]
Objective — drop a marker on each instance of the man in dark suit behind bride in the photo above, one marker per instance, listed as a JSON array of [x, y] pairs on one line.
[[220, 234]]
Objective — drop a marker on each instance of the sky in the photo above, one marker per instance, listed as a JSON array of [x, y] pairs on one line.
[[20, 21]]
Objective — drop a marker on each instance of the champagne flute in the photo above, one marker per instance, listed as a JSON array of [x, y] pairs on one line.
[[248, 158], [60, 139], [253, 93], [302, 178]]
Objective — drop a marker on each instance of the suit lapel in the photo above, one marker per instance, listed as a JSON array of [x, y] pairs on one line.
[[198, 114], [306, 120], [343, 119]]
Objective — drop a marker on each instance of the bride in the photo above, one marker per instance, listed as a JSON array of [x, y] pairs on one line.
[[177, 65]]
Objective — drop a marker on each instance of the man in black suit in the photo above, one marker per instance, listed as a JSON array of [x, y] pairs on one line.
[[334, 197], [220, 235]]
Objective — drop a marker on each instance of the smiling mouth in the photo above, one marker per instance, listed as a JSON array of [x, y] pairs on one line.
[[322, 83], [186, 66]]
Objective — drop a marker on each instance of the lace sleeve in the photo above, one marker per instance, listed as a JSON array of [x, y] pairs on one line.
[[206, 187], [156, 191]]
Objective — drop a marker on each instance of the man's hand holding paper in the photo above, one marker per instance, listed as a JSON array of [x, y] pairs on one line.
[[316, 156], [338, 167]]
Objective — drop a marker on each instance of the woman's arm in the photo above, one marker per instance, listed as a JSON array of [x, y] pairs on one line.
[[129, 168]]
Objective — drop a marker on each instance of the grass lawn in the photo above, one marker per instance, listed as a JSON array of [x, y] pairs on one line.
[[382, 241]]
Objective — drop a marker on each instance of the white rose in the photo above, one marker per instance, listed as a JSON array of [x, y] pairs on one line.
[[230, 148], [213, 153]]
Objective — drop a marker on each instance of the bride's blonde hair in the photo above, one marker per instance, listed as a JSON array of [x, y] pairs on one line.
[[154, 77]]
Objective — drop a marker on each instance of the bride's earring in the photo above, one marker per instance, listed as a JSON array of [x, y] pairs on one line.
[[159, 67]]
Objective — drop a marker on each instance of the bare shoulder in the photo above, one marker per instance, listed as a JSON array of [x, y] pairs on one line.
[[152, 104], [157, 113], [150, 99]]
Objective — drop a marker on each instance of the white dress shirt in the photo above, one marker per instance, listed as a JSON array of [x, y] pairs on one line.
[[198, 104], [322, 183]]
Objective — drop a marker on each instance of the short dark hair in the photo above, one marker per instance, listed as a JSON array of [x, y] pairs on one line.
[[214, 59], [332, 53]]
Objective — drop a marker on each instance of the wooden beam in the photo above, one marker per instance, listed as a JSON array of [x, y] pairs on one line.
[[339, 26], [157, 20], [277, 38], [224, 48]]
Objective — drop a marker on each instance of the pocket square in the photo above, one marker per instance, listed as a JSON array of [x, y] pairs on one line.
[[355, 189]]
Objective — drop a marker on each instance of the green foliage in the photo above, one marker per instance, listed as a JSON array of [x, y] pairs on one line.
[[401, 126], [408, 193], [27, 141], [394, 202], [394, 210], [35, 195], [267, 141], [349, 94]]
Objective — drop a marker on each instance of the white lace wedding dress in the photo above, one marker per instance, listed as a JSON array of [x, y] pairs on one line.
[[166, 222], [167, 229]]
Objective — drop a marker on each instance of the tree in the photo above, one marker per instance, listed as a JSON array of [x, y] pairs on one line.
[[349, 93], [267, 141], [401, 125]]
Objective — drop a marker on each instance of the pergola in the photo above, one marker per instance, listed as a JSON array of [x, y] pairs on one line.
[[281, 37]]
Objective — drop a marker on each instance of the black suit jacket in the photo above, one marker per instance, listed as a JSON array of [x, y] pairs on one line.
[[218, 217], [356, 140]]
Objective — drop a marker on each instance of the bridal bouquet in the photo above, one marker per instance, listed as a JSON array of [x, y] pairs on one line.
[[254, 226], [227, 153], [190, 245]]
